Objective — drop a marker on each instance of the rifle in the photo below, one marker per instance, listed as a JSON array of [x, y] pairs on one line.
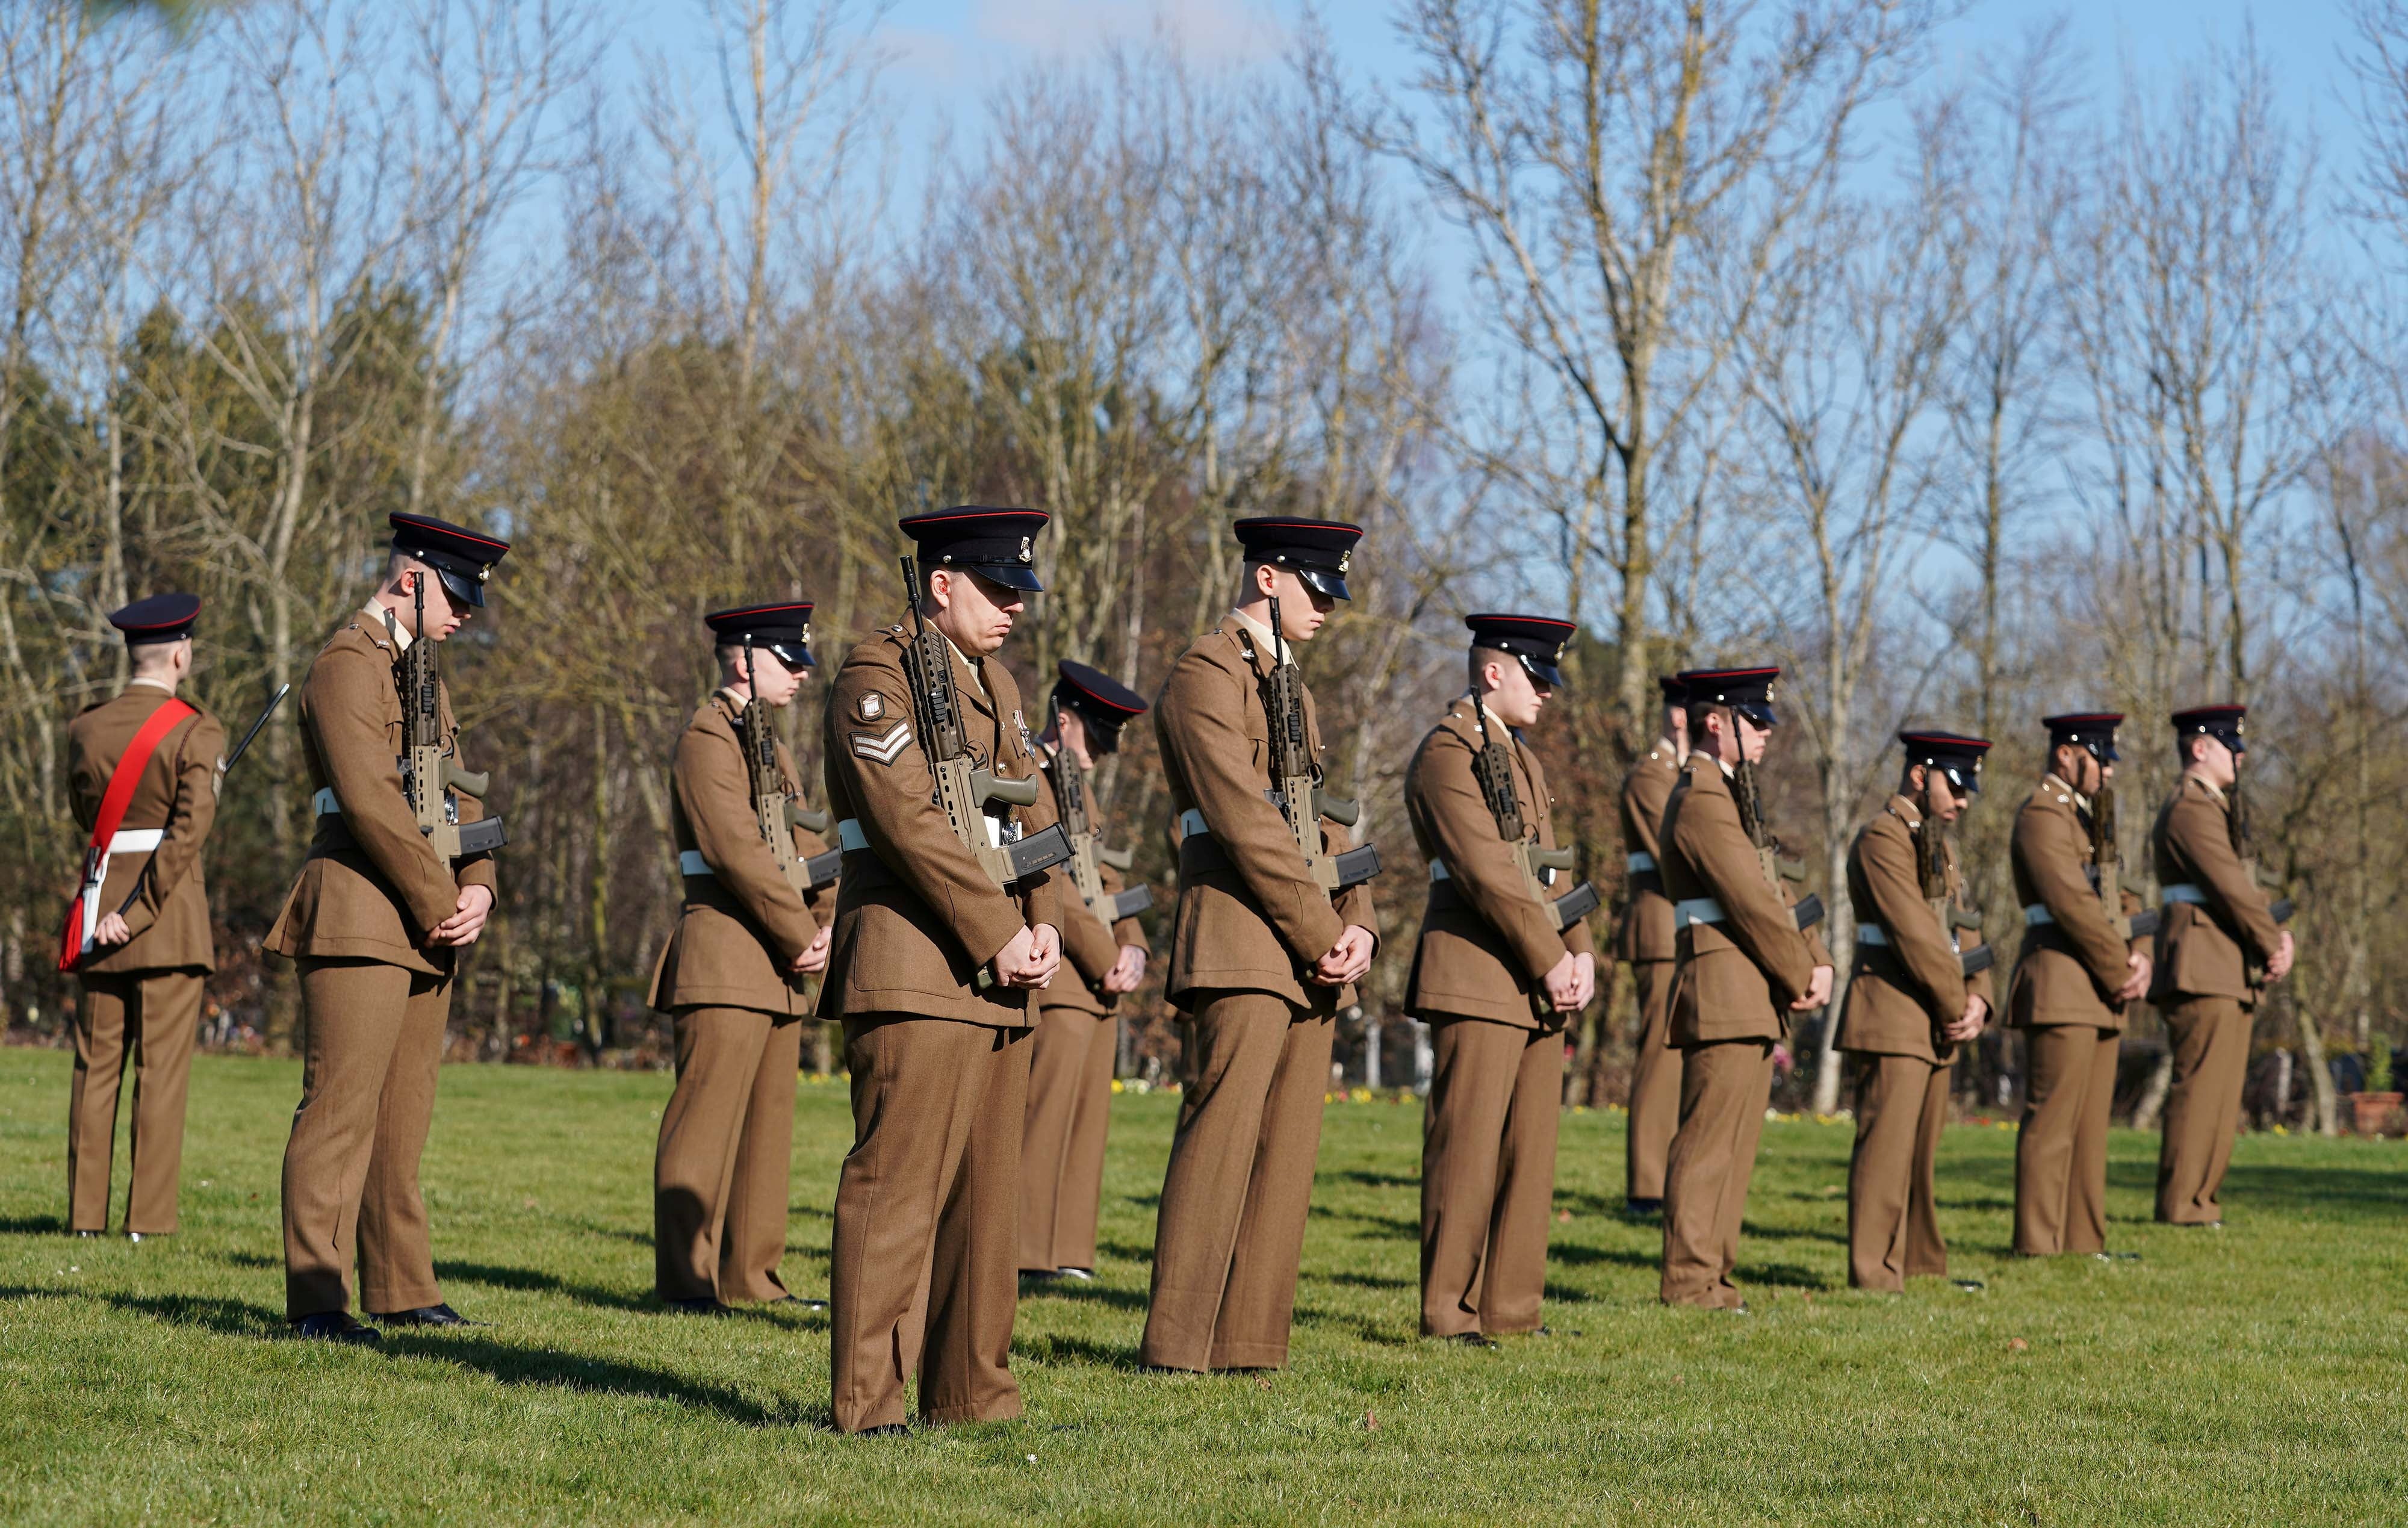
[[429, 775], [963, 790], [778, 814], [1297, 794], [2107, 857], [223, 770], [1537, 866], [1087, 854], [1807, 910]]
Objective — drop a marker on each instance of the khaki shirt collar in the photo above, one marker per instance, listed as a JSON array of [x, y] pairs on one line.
[[2213, 792], [2064, 786], [376, 613], [149, 682], [1265, 639], [971, 665], [735, 702], [1906, 811]]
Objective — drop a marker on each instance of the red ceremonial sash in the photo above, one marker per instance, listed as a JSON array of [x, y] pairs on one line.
[[83, 913]]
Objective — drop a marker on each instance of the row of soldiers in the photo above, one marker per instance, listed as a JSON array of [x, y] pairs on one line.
[[973, 935]]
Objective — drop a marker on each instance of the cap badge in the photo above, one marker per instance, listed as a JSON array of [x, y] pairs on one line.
[[1345, 559], [1025, 549], [485, 572], [873, 706]]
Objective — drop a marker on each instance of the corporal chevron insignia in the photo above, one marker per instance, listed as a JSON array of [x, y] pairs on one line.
[[884, 746]]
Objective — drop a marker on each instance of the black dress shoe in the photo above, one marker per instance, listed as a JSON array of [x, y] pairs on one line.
[[1041, 1276], [885, 1429], [1081, 1275], [1470, 1339], [2117, 1257], [335, 1326], [701, 1304], [84, 1236], [1643, 1206], [425, 1316], [1971, 1286], [796, 1300]]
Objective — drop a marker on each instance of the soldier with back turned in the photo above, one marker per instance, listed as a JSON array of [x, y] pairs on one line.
[[1647, 943], [376, 922], [2217, 946], [734, 974], [143, 770]]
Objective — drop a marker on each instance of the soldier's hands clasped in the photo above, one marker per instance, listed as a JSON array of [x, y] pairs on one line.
[[1127, 972], [1818, 991], [112, 929], [1967, 1025], [1347, 960], [1571, 983], [814, 957], [2278, 965], [2136, 984], [1030, 959], [463, 927]]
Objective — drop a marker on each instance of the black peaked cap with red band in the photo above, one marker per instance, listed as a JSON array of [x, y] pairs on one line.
[[1747, 691], [461, 557], [1953, 753], [783, 627], [1103, 702], [1675, 689], [995, 543], [1319, 552], [1537, 641], [2224, 723], [161, 618], [2093, 730]]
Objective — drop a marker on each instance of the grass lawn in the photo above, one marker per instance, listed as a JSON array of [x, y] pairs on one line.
[[2252, 1375]]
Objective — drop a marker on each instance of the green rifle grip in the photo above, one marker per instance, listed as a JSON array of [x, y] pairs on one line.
[[986, 787]]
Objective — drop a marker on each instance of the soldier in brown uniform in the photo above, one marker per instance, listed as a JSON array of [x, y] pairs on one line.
[[734, 975], [2072, 976], [2218, 945], [931, 970], [375, 923], [1743, 966], [1496, 973], [1646, 942], [1078, 1033], [1909, 1005], [141, 970], [1263, 953]]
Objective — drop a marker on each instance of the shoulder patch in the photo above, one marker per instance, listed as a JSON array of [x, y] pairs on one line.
[[872, 706], [884, 748]]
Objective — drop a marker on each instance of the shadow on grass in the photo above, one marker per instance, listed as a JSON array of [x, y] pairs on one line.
[[1046, 1348], [1564, 1294], [1788, 1276], [1125, 1251], [534, 1280], [1079, 1291], [32, 1225], [1362, 1327], [512, 1365], [1363, 1281], [1579, 1255], [1372, 1180], [1792, 1234], [1395, 1227], [227, 1318]]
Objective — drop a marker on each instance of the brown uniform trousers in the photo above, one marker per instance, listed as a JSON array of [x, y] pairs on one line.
[[721, 1169], [1250, 920], [1647, 943], [1070, 1084], [374, 997], [143, 997], [921, 1277], [2059, 995], [1480, 965], [1731, 990], [2202, 984], [1901, 989]]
